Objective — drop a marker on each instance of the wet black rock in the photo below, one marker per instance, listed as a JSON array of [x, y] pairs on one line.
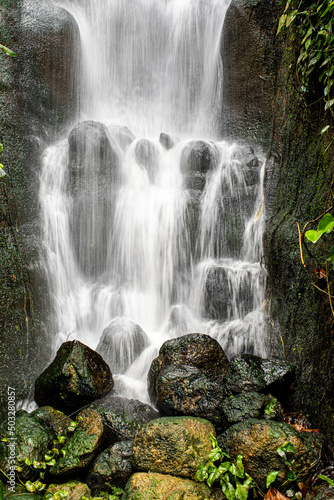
[[76, 377], [198, 158], [121, 343], [123, 417], [111, 466], [148, 156], [219, 303], [238, 408], [194, 349], [247, 373], [185, 390], [168, 141], [93, 177]]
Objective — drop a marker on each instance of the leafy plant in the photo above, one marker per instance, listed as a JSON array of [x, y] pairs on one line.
[[325, 226], [234, 481], [312, 25], [7, 51]]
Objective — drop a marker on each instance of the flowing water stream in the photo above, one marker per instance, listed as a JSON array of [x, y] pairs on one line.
[[151, 235]]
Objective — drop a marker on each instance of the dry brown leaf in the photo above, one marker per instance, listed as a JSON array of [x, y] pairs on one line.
[[273, 494]]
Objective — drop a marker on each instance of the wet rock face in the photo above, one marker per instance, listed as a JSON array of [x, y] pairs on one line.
[[49, 33], [218, 300], [168, 141], [123, 417], [236, 409], [111, 466], [185, 390], [121, 342], [148, 157], [198, 158], [194, 349], [173, 445], [122, 135], [247, 373], [258, 440], [250, 54], [93, 175], [76, 377], [154, 486]]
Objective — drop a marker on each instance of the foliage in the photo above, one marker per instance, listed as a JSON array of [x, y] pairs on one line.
[[50, 459], [312, 25], [325, 226], [234, 481], [7, 51], [327, 479]]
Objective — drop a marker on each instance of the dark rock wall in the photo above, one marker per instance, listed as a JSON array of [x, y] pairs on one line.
[[36, 102], [261, 84]]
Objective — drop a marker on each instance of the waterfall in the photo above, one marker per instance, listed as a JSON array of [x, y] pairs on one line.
[[152, 224]]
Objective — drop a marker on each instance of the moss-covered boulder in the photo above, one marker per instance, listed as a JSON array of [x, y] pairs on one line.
[[83, 445], [76, 377], [74, 489], [258, 442], [242, 407], [185, 390], [29, 440], [173, 445], [55, 419], [194, 349], [164, 487], [112, 466], [248, 373], [123, 417]]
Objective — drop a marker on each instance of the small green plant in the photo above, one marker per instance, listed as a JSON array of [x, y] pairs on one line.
[[7, 51], [234, 481], [327, 479], [50, 459], [284, 452]]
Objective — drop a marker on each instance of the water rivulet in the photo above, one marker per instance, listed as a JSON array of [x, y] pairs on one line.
[[152, 224]]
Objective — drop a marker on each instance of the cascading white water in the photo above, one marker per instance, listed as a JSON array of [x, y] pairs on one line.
[[168, 236]]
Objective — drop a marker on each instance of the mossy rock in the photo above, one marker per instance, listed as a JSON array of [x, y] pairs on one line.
[[32, 439], [83, 445], [242, 407], [112, 466], [154, 486], [258, 441], [56, 419], [75, 489], [76, 377], [123, 417], [173, 445]]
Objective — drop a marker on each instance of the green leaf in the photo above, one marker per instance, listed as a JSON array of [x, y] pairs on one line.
[[325, 478], [214, 476], [326, 224], [329, 104], [292, 476], [7, 51], [1, 148], [30, 486], [313, 235], [61, 439], [240, 466], [291, 17], [281, 23], [242, 489], [325, 129], [1, 489], [228, 489], [288, 446], [271, 477], [330, 256], [309, 31]]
